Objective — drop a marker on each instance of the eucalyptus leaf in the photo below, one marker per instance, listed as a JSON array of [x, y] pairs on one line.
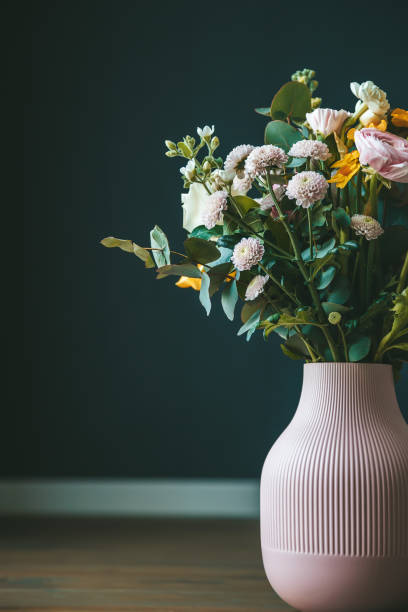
[[245, 203], [293, 100], [160, 246], [340, 290], [200, 250], [359, 347], [325, 277], [144, 255], [342, 218], [290, 353], [329, 307], [185, 269], [111, 242], [202, 232], [229, 299], [204, 292], [266, 112], [252, 323], [281, 134]]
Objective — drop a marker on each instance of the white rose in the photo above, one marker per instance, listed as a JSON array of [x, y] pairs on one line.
[[194, 205], [374, 97]]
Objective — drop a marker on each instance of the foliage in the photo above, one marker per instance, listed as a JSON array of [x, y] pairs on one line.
[[333, 292]]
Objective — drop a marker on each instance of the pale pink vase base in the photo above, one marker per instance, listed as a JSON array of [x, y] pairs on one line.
[[334, 495]]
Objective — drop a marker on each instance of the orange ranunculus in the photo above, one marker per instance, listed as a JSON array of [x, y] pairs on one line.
[[347, 168], [399, 117], [184, 282]]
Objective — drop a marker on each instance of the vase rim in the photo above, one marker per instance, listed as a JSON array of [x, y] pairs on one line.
[[336, 364]]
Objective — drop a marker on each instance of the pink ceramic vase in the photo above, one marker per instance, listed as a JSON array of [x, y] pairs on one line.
[[334, 495]]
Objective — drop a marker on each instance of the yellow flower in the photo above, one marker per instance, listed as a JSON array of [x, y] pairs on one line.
[[400, 117], [184, 282], [347, 168], [382, 125]]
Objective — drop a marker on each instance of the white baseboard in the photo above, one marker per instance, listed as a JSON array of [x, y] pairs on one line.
[[184, 498]]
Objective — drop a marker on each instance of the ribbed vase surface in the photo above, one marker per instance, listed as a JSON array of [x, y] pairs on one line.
[[334, 495]]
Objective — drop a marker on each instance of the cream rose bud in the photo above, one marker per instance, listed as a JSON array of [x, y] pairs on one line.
[[371, 95], [194, 206]]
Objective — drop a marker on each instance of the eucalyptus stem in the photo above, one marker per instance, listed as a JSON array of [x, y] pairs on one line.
[[307, 345], [281, 287], [370, 269], [403, 276], [343, 338], [308, 281]]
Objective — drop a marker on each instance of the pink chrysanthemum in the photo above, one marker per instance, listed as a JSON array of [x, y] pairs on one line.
[[268, 203], [247, 253], [215, 205], [310, 148], [241, 185], [235, 159], [255, 287], [306, 188], [263, 158], [366, 226]]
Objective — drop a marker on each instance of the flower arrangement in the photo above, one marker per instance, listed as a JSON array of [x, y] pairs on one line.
[[309, 229]]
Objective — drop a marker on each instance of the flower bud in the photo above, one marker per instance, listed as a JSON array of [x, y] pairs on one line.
[[171, 153], [334, 318], [206, 166], [215, 143], [170, 145]]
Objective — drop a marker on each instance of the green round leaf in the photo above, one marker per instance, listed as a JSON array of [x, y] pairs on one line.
[[282, 135], [200, 250], [359, 348], [293, 100], [325, 277]]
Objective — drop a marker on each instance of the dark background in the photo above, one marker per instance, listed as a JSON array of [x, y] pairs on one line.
[[119, 374]]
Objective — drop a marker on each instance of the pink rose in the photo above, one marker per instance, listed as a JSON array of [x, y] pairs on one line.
[[385, 152]]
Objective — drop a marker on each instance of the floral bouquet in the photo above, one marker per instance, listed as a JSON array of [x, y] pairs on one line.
[[309, 230]]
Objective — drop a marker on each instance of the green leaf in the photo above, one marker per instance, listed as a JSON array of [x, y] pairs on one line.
[[200, 250], [293, 100], [320, 252], [359, 347], [296, 162], [245, 204], [252, 323], [340, 290], [329, 307], [204, 292], [320, 263], [229, 299], [341, 217], [159, 242], [266, 112], [318, 214], [202, 232], [291, 354], [229, 242], [184, 269], [125, 245], [325, 277], [281, 134], [144, 255], [225, 257], [217, 276]]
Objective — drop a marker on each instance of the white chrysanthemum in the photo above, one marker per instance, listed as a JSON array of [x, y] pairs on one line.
[[306, 188], [255, 287], [241, 185], [247, 253], [235, 159], [189, 170], [366, 226], [263, 158], [326, 120], [206, 132], [310, 148], [215, 205]]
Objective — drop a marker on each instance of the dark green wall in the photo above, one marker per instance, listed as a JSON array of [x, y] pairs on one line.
[[123, 375]]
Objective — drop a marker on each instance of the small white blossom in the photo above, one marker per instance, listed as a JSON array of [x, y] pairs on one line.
[[189, 170], [206, 132]]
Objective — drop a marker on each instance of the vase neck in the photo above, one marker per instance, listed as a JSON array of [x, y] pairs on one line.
[[349, 388]]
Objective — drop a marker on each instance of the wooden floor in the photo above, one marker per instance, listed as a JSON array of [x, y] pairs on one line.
[[127, 564]]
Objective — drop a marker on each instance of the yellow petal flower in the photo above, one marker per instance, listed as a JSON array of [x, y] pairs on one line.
[[382, 125], [184, 282], [400, 117], [347, 168]]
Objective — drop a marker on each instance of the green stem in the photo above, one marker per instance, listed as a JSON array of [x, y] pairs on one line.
[[307, 345], [281, 287], [373, 197], [403, 276], [249, 229], [309, 221], [343, 338], [308, 281], [359, 191], [370, 270]]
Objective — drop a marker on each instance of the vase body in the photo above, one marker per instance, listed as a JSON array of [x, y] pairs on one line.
[[334, 495]]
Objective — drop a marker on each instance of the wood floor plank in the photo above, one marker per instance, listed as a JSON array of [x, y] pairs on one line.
[[101, 565]]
